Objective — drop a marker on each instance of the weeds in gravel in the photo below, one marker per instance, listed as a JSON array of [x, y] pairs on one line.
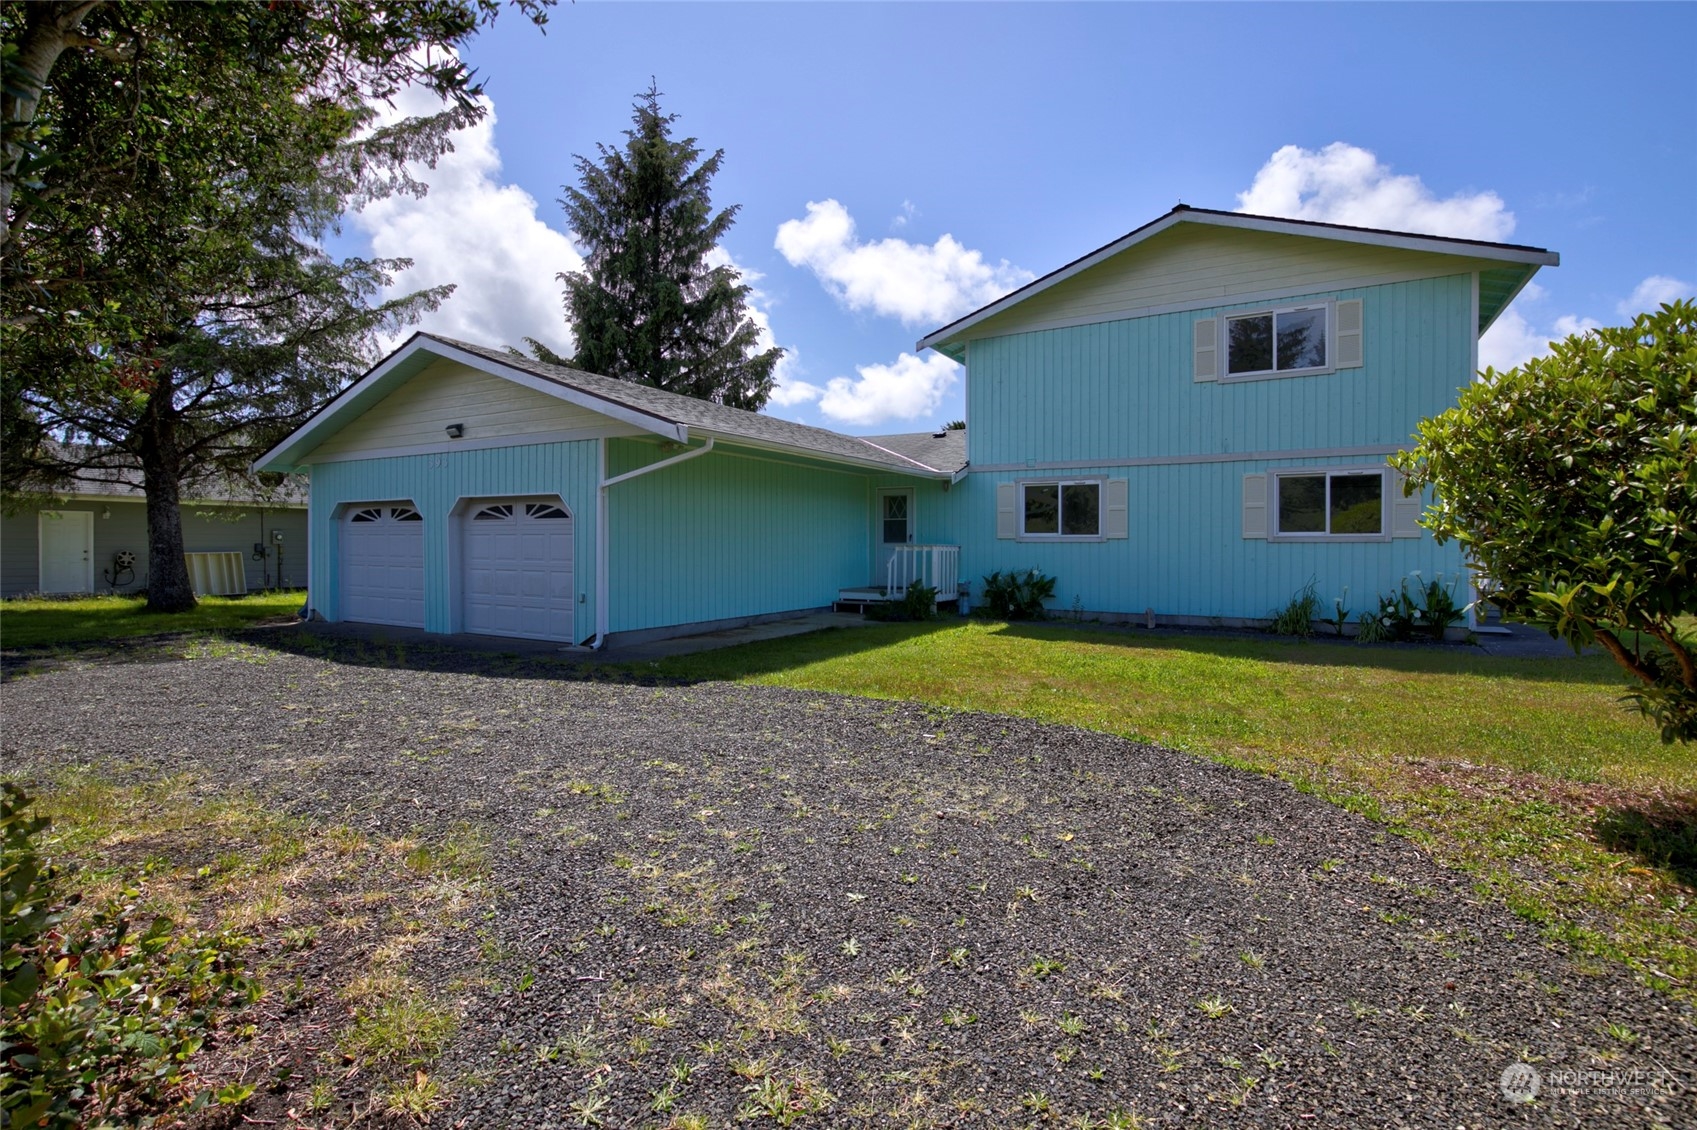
[[304, 893], [1213, 1007]]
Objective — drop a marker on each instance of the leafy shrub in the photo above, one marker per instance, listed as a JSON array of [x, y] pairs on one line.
[[1570, 481], [1297, 617], [1017, 595], [98, 1018], [919, 602]]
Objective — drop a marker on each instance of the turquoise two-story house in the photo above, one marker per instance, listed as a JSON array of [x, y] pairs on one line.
[[1188, 424]]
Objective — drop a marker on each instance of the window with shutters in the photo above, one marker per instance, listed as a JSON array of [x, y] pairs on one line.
[[1289, 341], [1061, 509], [1329, 504]]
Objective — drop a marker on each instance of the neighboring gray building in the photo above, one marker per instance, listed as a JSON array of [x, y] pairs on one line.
[[92, 538]]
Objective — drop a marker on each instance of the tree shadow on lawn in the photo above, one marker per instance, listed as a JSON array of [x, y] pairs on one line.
[[788, 653], [378, 647], [1663, 835]]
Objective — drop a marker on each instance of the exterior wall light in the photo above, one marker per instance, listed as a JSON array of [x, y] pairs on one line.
[[455, 431]]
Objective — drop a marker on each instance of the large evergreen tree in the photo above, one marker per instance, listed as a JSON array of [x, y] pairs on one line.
[[648, 307], [169, 170]]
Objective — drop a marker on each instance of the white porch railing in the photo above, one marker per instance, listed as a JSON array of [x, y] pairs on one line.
[[937, 566]]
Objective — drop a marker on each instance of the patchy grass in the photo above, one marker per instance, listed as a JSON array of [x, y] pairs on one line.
[[334, 923], [58, 623], [1528, 774]]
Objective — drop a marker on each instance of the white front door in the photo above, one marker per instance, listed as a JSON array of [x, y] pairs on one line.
[[67, 550], [382, 566], [518, 570], [895, 528]]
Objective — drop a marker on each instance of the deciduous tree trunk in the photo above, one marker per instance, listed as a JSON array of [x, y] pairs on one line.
[[51, 28]]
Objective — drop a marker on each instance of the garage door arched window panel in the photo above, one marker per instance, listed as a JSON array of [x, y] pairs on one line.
[[380, 554], [516, 569]]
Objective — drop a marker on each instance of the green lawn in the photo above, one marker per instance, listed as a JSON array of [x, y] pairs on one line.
[[1527, 773], [53, 623]]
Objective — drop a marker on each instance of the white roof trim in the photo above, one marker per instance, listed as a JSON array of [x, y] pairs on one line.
[[304, 435], [735, 440], [1403, 241]]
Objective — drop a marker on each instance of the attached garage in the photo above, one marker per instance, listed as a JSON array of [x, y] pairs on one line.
[[465, 490], [382, 565], [517, 561]]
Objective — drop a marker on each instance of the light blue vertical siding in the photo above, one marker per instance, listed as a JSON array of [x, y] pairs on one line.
[[434, 483], [730, 535], [1123, 390], [1186, 555]]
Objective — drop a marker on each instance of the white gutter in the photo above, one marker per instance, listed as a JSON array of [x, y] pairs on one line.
[[601, 525]]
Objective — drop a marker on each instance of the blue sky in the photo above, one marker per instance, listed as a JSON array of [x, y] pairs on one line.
[[900, 165]]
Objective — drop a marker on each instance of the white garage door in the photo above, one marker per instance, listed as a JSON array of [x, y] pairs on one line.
[[382, 552], [518, 570]]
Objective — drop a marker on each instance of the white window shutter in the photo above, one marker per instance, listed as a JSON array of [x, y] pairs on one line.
[[1207, 350], [1405, 511], [1255, 506], [1349, 334], [1116, 523], [1007, 517]]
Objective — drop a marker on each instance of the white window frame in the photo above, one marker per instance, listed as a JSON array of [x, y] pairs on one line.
[[1060, 486], [1273, 480], [1228, 317]]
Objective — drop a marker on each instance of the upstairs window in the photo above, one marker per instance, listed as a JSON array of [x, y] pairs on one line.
[[1276, 341], [1332, 504], [1062, 509]]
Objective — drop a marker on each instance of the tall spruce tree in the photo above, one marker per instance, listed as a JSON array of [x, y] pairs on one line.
[[648, 307]]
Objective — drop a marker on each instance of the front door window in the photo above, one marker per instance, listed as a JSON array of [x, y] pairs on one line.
[[896, 508]]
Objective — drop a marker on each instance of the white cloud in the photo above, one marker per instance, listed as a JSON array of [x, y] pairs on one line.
[[909, 212], [1345, 184], [1652, 292], [910, 388], [1513, 340], [479, 233], [915, 282]]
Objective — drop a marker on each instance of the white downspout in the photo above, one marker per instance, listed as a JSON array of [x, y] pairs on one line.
[[601, 526]]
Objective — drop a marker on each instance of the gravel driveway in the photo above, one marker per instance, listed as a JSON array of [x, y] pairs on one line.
[[837, 911]]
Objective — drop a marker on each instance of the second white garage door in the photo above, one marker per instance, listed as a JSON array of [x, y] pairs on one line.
[[518, 570]]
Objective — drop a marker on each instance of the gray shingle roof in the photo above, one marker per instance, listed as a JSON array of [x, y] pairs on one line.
[[733, 423], [116, 475], [945, 451]]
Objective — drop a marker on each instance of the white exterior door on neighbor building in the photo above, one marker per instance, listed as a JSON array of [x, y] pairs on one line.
[[517, 563], [382, 565], [67, 550]]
